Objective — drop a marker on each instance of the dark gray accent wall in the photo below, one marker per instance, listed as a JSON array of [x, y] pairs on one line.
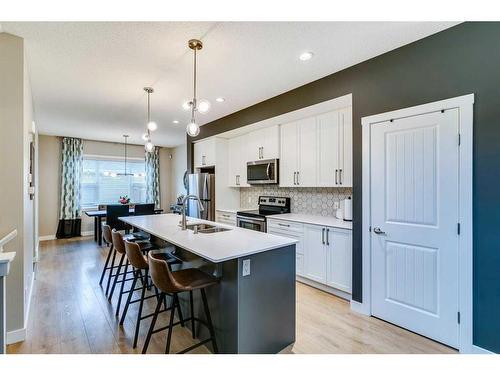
[[461, 60]]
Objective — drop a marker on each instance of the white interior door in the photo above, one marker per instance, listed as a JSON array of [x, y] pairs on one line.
[[414, 219]]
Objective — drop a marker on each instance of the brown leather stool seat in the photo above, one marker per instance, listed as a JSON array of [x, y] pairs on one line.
[[139, 263], [174, 282]]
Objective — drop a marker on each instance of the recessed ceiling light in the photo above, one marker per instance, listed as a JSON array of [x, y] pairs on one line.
[[306, 56], [175, 121], [220, 100]]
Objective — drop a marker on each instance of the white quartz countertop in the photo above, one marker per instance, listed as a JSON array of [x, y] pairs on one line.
[[215, 247], [327, 221]]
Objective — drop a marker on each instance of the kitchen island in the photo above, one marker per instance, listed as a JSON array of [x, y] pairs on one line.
[[253, 306]]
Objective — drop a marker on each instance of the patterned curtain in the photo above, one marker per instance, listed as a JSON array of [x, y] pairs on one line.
[[153, 177], [70, 213]]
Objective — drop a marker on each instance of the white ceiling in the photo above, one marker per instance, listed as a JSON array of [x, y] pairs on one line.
[[87, 77]]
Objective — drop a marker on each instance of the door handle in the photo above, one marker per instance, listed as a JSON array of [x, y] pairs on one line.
[[327, 236], [336, 176], [268, 171], [323, 235], [377, 230], [340, 176]]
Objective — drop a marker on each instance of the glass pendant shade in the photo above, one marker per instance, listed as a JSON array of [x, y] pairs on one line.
[[193, 129], [145, 137], [149, 146], [203, 106], [152, 126]]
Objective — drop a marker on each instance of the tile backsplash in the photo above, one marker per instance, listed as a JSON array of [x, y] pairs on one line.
[[314, 201]]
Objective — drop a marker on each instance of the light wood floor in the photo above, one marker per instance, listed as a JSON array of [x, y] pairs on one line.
[[70, 314]]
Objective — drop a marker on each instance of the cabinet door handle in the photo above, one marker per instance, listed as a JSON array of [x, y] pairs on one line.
[[323, 235], [237, 179], [298, 175], [328, 236], [340, 176], [294, 180], [336, 177], [203, 160], [262, 152], [283, 225]]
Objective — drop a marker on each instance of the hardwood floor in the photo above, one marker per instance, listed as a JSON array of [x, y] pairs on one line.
[[70, 314]]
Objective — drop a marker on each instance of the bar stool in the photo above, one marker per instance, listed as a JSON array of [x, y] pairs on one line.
[[175, 282], [119, 247], [108, 240], [139, 263]]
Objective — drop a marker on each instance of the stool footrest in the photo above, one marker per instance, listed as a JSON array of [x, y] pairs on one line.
[[203, 342]]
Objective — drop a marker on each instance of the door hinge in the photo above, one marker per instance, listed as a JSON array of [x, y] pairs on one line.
[[458, 228], [458, 317], [459, 139]]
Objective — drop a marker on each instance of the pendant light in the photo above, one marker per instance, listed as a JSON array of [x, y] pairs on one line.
[[151, 125], [193, 129]]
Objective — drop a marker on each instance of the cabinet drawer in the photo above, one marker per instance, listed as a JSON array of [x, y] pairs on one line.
[[287, 226], [225, 218]]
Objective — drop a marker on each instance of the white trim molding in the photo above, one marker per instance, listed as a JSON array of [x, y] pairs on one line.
[[465, 106], [47, 237], [478, 350], [19, 335]]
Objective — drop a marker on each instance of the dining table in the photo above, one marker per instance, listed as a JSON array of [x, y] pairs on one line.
[[98, 215]]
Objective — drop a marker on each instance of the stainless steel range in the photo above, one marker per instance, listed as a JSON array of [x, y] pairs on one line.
[[256, 219]]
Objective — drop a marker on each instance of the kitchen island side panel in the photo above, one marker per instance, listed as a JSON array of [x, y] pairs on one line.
[[266, 302]]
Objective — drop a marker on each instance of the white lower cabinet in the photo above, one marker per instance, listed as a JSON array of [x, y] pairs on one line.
[[323, 254], [225, 217]]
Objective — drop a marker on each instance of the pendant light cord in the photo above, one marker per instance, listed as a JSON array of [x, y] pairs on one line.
[[193, 106], [149, 114], [125, 155]]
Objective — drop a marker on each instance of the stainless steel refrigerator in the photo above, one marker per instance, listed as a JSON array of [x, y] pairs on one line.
[[202, 185]]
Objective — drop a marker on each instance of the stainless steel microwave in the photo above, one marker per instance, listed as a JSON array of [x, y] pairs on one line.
[[262, 172]]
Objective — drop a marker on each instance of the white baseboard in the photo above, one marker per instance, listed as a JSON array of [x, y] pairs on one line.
[[20, 334], [479, 350], [53, 236], [15, 336], [47, 238], [360, 308]]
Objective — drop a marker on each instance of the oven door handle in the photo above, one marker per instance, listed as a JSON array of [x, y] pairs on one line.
[[250, 219]]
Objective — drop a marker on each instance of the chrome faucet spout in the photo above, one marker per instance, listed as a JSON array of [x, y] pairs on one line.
[[183, 210]]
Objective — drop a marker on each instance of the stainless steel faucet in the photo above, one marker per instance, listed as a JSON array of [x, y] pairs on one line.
[[183, 209]]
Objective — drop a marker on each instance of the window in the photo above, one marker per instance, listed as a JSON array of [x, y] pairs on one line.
[[102, 184]]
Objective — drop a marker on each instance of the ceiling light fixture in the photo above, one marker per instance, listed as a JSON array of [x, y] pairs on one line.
[[193, 129], [175, 121], [125, 173], [220, 100], [306, 56], [151, 125]]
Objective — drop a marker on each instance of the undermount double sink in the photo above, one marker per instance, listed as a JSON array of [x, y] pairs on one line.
[[206, 228]]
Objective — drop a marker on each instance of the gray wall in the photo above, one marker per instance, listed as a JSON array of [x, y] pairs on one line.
[[461, 60], [16, 116]]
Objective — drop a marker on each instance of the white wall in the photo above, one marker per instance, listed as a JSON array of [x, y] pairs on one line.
[[16, 115]]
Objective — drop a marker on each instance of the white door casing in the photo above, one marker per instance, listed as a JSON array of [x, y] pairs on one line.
[[462, 108]]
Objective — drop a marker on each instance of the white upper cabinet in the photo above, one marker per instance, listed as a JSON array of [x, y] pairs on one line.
[[238, 155], [204, 153], [264, 143], [289, 159], [317, 151]]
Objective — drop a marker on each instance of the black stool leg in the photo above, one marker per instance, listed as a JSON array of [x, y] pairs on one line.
[[179, 311], [116, 277], [130, 294], [175, 302], [139, 314], [152, 326], [106, 264], [209, 320], [121, 289], [110, 272], [192, 313]]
